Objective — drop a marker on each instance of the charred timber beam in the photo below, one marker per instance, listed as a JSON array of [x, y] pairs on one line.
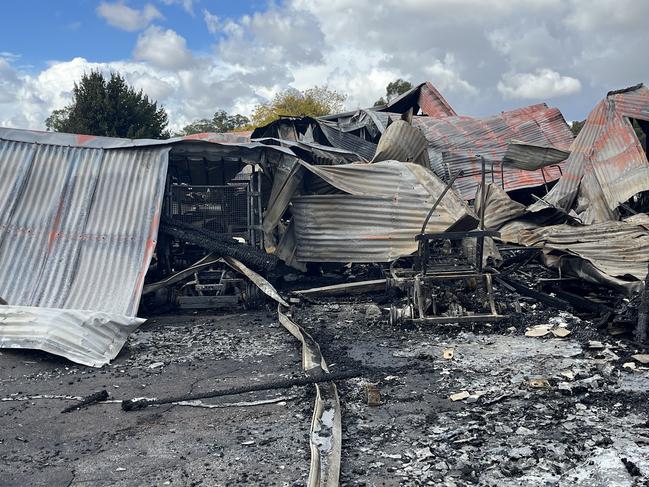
[[136, 404], [251, 256]]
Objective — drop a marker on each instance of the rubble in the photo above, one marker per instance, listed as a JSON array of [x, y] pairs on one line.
[[460, 318]]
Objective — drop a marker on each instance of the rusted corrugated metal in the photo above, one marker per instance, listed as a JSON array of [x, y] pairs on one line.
[[424, 96], [607, 164], [456, 142], [78, 228], [376, 219]]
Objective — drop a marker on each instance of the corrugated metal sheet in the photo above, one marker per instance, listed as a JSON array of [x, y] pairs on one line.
[[377, 219], [456, 141], [78, 228], [348, 141], [531, 157], [402, 142], [210, 146], [424, 96], [617, 252], [90, 338], [499, 207], [607, 164]]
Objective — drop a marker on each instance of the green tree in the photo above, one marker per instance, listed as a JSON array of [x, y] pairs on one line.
[[576, 127], [109, 108], [220, 122], [314, 102], [392, 90]]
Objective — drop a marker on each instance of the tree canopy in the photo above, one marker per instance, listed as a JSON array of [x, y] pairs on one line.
[[220, 122], [576, 126], [392, 90], [314, 102], [109, 107]]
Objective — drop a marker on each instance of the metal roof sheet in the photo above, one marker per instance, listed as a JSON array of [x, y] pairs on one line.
[[617, 250], [456, 141], [376, 220], [607, 164], [78, 228]]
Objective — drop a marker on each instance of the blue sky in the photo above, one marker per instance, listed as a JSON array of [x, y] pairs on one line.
[[199, 56], [44, 30]]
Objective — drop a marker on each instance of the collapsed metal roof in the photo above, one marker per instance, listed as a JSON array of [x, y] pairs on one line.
[[523, 148], [456, 141], [607, 164], [615, 253], [368, 212]]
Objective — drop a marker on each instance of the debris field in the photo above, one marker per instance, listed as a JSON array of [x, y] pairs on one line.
[[397, 295]]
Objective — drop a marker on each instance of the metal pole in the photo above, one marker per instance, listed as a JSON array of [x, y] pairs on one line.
[[483, 199], [259, 212], [441, 196]]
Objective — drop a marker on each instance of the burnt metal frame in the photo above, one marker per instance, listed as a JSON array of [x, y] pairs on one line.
[[418, 280], [253, 232]]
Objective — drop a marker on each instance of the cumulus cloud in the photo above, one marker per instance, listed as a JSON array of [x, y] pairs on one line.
[[484, 55], [543, 83], [163, 49], [598, 15], [126, 18]]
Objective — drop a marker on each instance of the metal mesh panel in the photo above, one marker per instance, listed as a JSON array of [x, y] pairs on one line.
[[221, 209]]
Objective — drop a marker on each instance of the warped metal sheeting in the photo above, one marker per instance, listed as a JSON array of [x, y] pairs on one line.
[[615, 253], [531, 157], [376, 218], [456, 141], [78, 228], [348, 141], [90, 338], [402, 142], [499, 207], [607, 164]]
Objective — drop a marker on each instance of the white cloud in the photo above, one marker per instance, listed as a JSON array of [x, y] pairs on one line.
[[126, 18], [188, 5], [600, 15], [212, 21], [484, 55], [163, 48], [444, 75], [543, 83]]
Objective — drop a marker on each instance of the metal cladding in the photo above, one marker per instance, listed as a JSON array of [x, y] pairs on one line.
[[86, 337], [347, 141], [532, 157], [607, 164], [78, 228], [376, 217], [424, 97], [615, 253], [455, 142], [402, 142]]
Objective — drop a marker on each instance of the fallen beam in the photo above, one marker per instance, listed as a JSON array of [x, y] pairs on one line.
[[252, 257], [141, 403], [88, 400], [523, 290], [360, 287]]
